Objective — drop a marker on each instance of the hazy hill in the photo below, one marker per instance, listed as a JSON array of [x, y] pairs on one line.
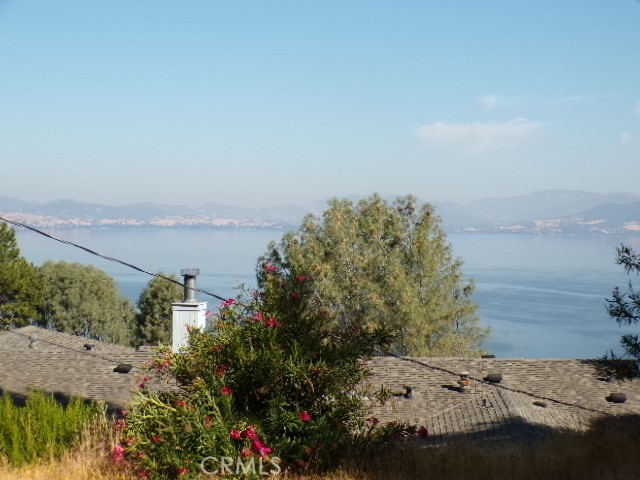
[[561, 211], [608, 216], [66, 211], [543, 204], [614, 212], [8, 204]]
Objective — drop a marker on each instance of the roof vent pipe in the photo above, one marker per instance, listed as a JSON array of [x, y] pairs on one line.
[[190, 274]]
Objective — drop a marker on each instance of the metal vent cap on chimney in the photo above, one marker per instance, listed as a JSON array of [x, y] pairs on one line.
[[190, 275]]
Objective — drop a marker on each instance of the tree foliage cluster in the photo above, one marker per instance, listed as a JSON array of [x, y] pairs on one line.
[[21, 286], [376, 263], [83, 300], [154, 317]]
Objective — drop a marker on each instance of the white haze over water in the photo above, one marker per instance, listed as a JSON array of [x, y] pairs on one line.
[[542, 296]]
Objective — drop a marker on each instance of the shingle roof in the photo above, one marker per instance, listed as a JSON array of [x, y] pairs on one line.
[[571, 393], [568, 396], [35, 358]]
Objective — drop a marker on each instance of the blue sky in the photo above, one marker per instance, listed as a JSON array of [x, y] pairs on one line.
[[273, 102]]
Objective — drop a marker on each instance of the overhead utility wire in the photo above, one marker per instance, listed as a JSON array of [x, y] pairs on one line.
[[111, 259]]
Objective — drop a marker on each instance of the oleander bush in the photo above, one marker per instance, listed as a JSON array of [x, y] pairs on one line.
[[270, 388]]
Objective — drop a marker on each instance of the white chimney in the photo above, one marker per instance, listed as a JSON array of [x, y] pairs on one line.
[[189, 312]]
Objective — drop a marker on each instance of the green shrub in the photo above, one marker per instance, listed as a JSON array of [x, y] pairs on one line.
[[271, 386], [43, 428]]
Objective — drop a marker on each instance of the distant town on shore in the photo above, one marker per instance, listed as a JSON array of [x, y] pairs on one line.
[[545, 211]]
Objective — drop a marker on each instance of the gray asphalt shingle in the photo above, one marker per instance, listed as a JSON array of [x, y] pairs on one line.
[[567, 393]]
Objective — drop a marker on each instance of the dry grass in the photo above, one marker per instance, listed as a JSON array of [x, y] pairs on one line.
[[610, 451], [91, 460]]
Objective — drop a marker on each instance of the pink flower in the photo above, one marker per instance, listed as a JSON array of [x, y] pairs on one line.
[[302, 278], [264, 451], [183, 471], [227, 390], [272, 322], [251, 433], [181, 403], [118, 454], [257, 444], [156, 439], [270, 268], [227, 303], [261, 448], [143, 474], [258, 316], [221, 370], [245, 452], [305, 416], [423, 432], [235, 434], [207, 421]]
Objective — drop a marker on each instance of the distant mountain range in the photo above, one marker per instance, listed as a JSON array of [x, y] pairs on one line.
[[551, 211], [546, 211]]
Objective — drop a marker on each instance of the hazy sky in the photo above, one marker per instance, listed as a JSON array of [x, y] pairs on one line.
[[270, 102]]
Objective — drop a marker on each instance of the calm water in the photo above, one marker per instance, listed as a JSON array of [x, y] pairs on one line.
[[542, 296]]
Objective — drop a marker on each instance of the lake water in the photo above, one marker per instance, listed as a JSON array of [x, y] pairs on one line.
[[542, 296]]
